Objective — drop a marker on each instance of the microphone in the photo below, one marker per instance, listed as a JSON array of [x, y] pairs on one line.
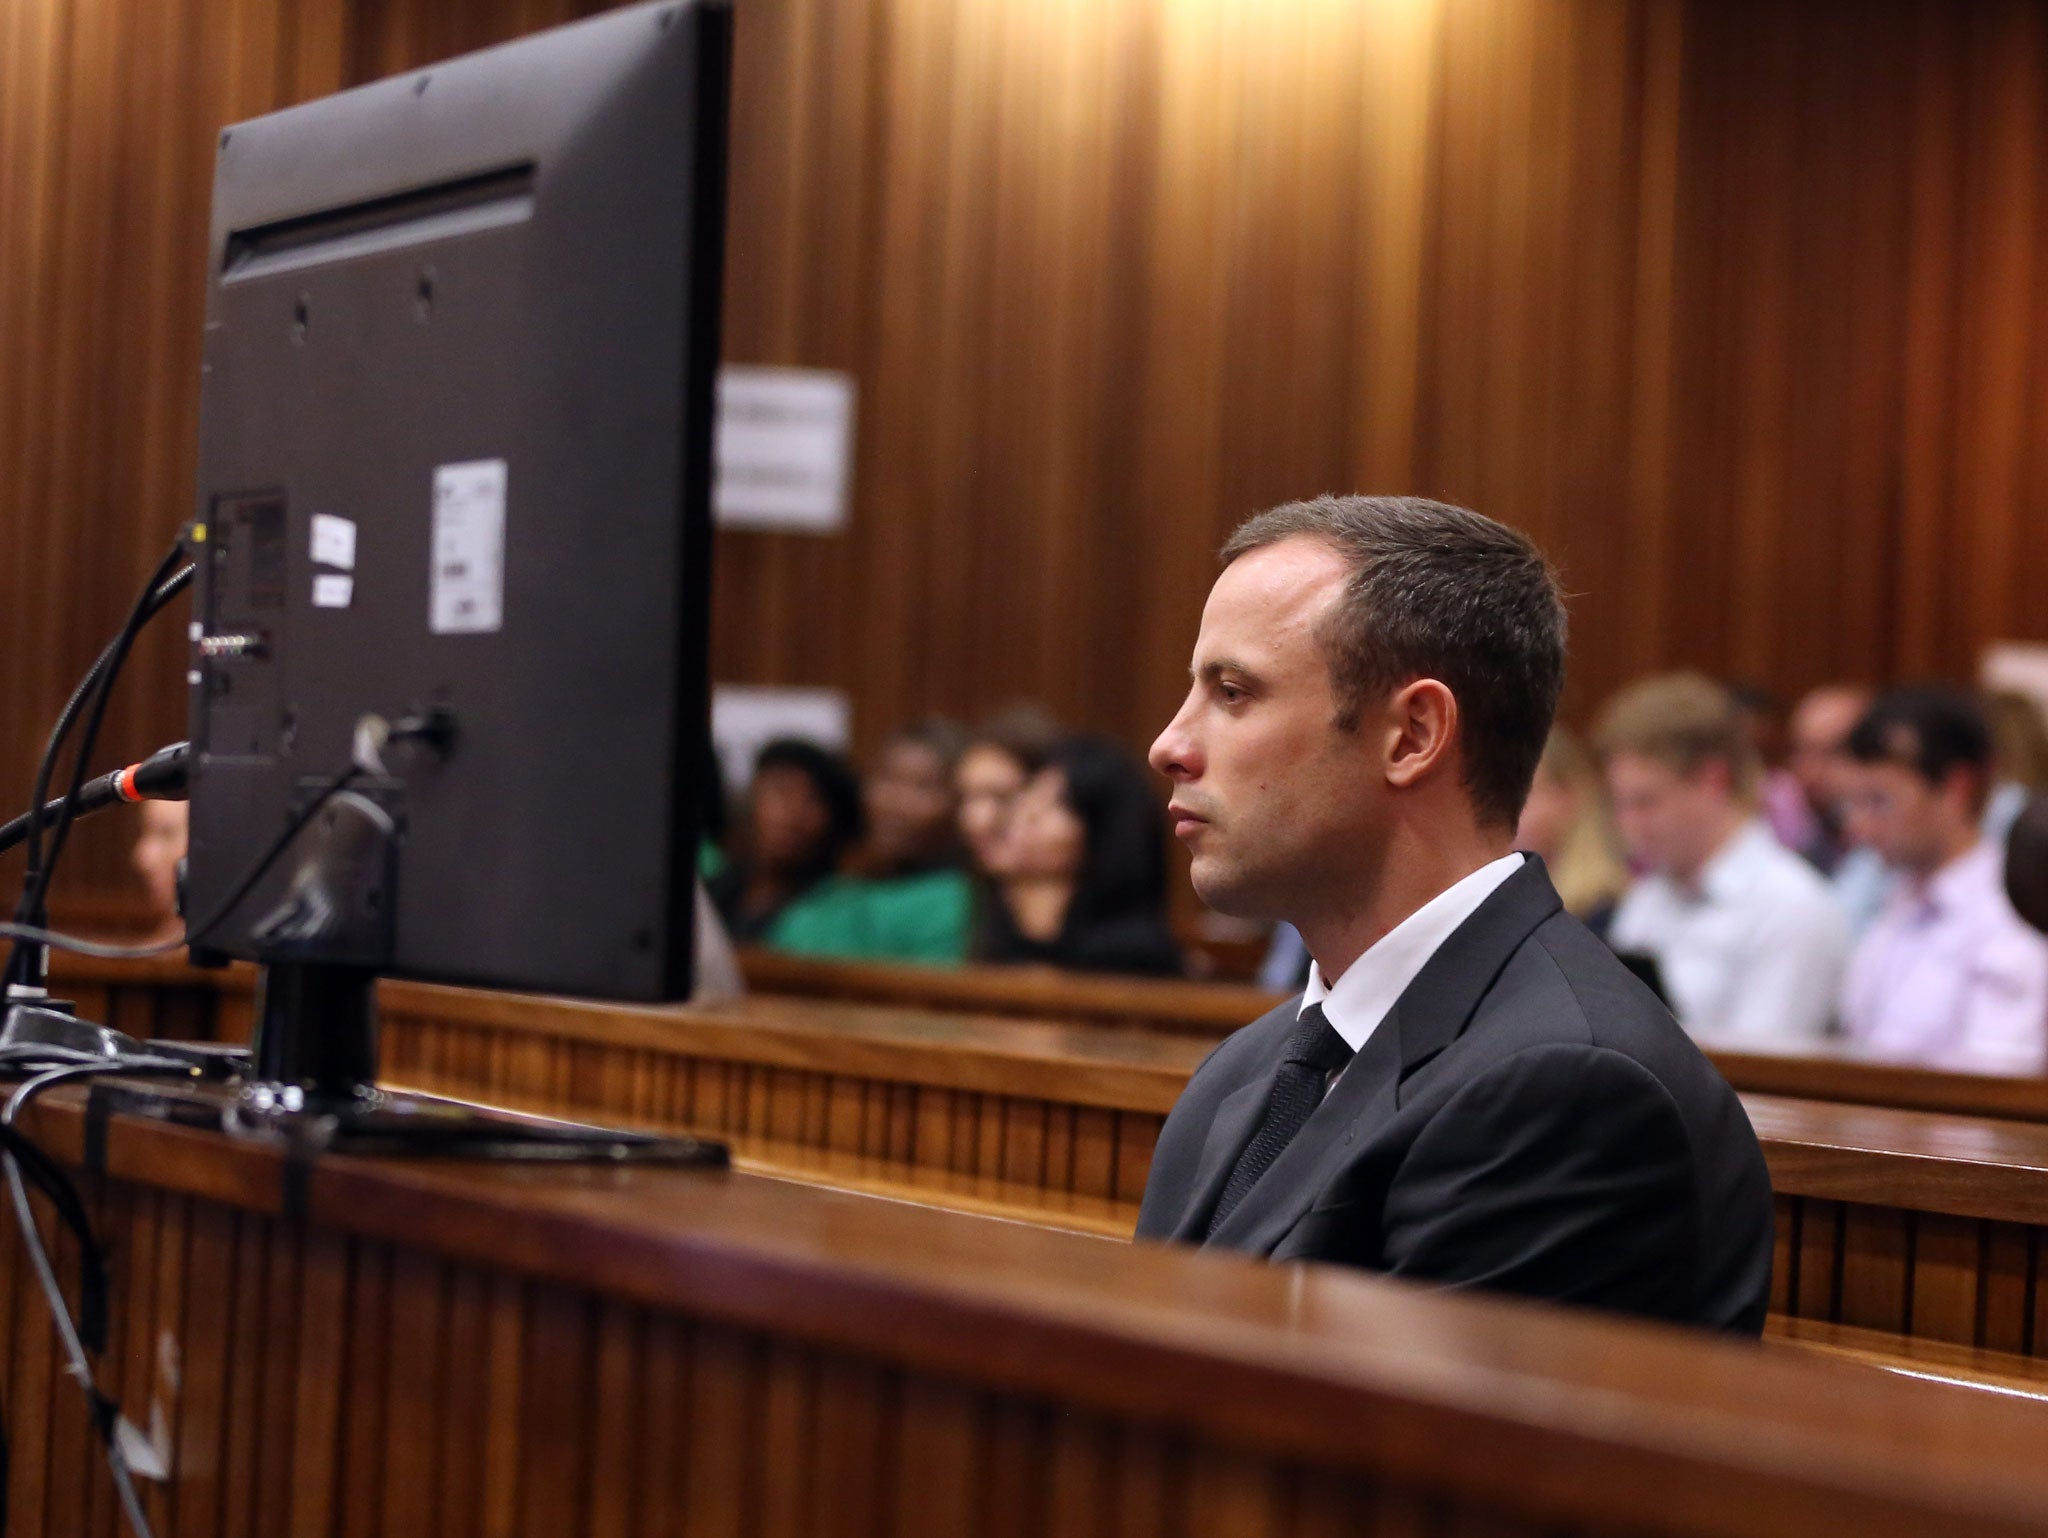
[[159, 777]]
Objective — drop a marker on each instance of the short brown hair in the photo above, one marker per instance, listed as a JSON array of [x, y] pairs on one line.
[[1682, 720], [1437, 591]]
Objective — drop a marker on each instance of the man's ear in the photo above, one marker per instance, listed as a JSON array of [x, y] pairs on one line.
[[1422, 732]]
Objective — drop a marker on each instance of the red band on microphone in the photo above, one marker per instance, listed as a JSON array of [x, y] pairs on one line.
[[124, 784]]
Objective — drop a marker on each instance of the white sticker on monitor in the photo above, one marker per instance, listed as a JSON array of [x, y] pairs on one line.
[[334, 541], [331, 591], [469, 548]]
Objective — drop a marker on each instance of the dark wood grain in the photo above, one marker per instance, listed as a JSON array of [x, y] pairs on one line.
[[988, 1377], [1914, 1225], [1733, 305]]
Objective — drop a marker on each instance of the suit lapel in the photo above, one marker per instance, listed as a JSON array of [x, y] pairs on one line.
[[1362, 1097], [1435, 1008], [1237, 1117], [1430, 1014]]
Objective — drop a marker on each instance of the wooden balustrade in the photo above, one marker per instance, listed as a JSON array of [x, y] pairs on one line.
[[1828, 1071], [219, 1003], [484, 1350], [1211, 1010], [1897, 1231]]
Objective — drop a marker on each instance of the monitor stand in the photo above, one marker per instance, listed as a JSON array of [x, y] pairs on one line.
[[311, 1085]]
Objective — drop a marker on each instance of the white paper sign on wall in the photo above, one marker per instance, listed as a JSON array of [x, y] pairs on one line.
[[784, 449], [745, 719], [2019, 666]]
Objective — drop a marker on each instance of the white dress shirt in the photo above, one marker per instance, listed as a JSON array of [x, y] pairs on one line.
[[1950, 977], [1752, 952], [1364, 995]]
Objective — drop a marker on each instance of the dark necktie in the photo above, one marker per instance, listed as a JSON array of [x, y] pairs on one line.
[[1314, 1051]]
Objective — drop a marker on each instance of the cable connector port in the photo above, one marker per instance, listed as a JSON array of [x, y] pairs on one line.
[[250, 644]]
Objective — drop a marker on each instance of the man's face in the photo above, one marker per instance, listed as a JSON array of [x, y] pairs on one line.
[[1042, 836], [158, 849], [1911, 822], [910, 803], [989, 781], [1820, 759], [1279, 808], [1669, 819], [789, 817]]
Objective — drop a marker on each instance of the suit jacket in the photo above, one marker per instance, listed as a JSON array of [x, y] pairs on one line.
[[1528, 1118]]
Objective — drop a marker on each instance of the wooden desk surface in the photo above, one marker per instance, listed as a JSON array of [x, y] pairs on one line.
[[1907, 1225], [1553, 1416]]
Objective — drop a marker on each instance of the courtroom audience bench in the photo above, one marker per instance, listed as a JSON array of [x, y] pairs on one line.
[[1211, 1010], [1893, 1227], [433, 1349]]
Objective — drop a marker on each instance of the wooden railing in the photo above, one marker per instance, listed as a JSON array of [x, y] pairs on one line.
[[1829, 1071], [220, 1002], [1897, 1231], [437, 1350]]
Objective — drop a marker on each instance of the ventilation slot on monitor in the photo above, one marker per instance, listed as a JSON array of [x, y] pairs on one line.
[[461, 207]]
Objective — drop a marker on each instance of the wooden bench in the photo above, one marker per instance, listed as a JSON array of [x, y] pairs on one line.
[[1900, 1225], [1211, 1011], [444, 1349], [119, 993]]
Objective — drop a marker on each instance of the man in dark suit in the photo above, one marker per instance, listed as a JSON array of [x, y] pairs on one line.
[[1472, 1090]]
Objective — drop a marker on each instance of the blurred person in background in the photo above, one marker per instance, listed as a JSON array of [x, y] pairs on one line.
[[1078, 874], [1746, 939], [2026, 862], [803, 816], [913, 804], [158, 857], [1949, 976], [1007, 750], [2019, 758], [1778, 799], [1565, 823], [908, 897], [1820, 765]]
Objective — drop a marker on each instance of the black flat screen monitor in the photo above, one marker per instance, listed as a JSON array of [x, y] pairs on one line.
[[461, 336]]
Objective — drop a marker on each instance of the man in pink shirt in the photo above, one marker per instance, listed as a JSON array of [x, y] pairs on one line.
[[1948, 976]]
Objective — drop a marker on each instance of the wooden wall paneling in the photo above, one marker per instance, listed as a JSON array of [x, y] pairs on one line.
[[243, 1382], [2001, 257], [2008, 1286], [409, 1499], [1391, 85], [1643, 606], [1949, 1277], [1182, 391], [323, 1311], [1936, 108], [1734, 306], [1757, 401], [70, 1435]]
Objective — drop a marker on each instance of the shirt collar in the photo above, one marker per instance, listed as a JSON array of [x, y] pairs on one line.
[[1961, 882], [1369, 988], [1726, 877]]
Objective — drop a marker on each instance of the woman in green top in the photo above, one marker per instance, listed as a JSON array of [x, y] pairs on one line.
[[909, 899]]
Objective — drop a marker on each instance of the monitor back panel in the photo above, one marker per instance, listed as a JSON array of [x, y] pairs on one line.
[[455, 452]]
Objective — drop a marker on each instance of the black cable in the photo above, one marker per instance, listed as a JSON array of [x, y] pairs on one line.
[[144, 781], [161, 591], [100, 692], [194, 933], [94, 689], [105, 1413]]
